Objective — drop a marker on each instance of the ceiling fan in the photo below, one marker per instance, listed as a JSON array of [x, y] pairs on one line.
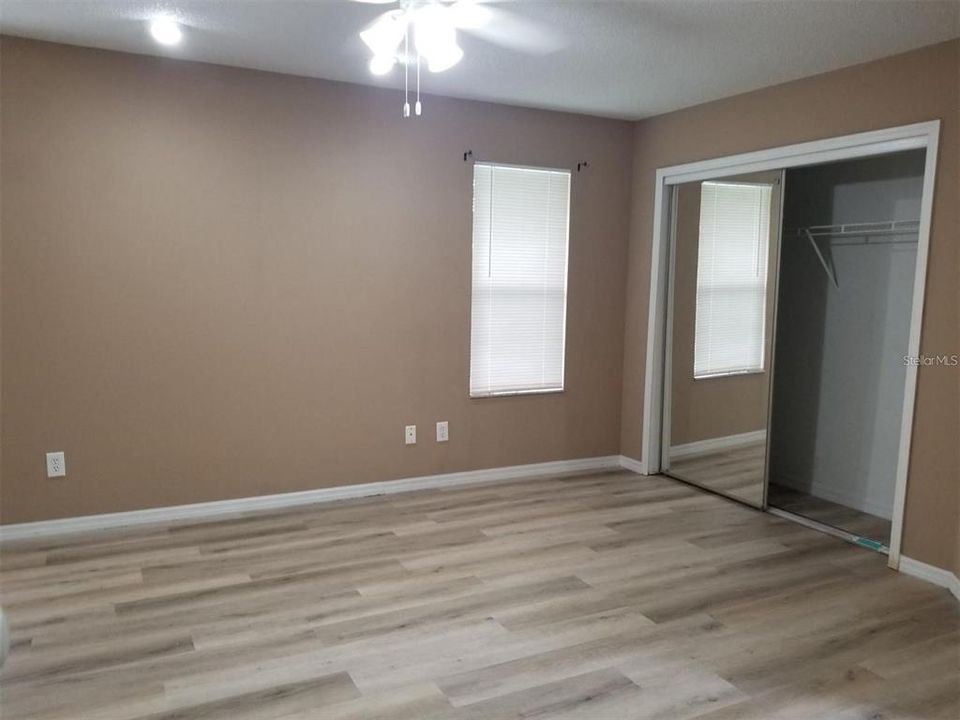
[[426, 30]]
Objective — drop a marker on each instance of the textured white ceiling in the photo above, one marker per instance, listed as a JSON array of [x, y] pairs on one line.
[[621, 59]]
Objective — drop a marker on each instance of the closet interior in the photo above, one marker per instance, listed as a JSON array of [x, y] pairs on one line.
[[788, 323]]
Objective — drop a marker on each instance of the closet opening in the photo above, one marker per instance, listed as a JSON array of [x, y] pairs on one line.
[[786, 299], [847, 264]]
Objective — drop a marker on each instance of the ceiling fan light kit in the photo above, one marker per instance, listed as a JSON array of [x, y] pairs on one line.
[[384, 35], [417, 31], [433, 25], [382, 64]]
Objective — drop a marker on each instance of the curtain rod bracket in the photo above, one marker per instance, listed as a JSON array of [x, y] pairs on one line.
[[468, 155], [582, 165]]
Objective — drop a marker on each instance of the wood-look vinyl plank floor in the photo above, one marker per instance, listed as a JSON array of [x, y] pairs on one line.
[[829, 513], [737, 472], [599, 596]]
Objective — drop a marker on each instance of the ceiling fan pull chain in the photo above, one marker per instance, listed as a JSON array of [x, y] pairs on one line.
[[406, 72], [417, 106]]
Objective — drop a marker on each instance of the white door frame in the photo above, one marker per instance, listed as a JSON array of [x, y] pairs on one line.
[[877, 142]]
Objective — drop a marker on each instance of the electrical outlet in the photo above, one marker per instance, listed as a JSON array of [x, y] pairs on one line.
[[56, 465], [410, 434], [443, 431]]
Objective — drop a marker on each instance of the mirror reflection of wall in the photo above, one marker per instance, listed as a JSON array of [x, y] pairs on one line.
[[722, 303]]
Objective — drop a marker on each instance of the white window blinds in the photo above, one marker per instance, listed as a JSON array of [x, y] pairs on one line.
[[520, 239], [732, 278]]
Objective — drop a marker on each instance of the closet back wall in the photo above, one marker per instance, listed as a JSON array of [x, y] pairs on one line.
[[220, 283], [913, 87]]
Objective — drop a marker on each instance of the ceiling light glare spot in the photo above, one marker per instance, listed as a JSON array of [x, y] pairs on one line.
[[382, 64], [165, 31]]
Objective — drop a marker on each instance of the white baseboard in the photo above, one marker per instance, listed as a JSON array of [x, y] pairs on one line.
[[637, 466], [931, 573], [710, 445], [87, 523]]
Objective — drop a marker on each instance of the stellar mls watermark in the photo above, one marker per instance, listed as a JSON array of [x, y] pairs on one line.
[[932, 360]]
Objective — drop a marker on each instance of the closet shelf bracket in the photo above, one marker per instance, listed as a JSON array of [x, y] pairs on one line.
[[823, 261]]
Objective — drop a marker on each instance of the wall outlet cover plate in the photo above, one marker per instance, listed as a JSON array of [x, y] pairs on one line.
[[56, 465]]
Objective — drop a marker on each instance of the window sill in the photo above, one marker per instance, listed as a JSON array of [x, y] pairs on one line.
[[720, 376], [515, 393]]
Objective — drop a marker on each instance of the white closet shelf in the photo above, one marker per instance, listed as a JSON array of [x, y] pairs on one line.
[[888, 229], [869, 229]]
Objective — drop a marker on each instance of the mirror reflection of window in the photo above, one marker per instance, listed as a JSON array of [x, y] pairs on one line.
[[732, 278]]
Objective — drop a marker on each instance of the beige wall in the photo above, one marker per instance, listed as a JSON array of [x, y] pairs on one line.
[[913, 87], [221, 283], [713, 407]]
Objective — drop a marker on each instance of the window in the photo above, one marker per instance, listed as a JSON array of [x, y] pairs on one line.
[[732, 278], [520, 238]]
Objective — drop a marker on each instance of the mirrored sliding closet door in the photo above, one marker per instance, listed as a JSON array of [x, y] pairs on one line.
[[721, 303]]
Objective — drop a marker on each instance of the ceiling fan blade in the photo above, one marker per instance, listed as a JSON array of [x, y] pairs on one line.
[[505, 28], [377, 20], [468, 14]]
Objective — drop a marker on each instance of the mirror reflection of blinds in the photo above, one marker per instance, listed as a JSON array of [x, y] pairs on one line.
[[732, 278], [519, 300]]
